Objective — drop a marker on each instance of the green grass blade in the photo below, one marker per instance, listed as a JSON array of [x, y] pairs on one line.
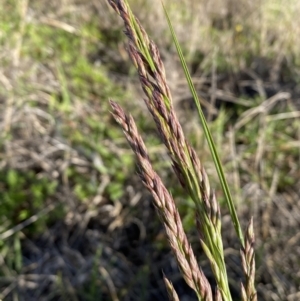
[[208, 135]]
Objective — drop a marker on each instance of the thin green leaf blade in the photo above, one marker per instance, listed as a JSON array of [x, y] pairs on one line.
[[212, 146]]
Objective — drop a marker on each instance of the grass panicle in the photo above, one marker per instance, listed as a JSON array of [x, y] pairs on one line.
[[166, 208]]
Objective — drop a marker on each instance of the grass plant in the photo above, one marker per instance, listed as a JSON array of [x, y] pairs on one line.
[[186, 165]]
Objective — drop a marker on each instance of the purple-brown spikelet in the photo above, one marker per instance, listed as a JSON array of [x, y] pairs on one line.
[[248, 263], [170, 289], [159, 73]]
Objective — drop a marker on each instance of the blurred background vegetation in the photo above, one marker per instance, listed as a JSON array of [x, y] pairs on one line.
[[75, 222]]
